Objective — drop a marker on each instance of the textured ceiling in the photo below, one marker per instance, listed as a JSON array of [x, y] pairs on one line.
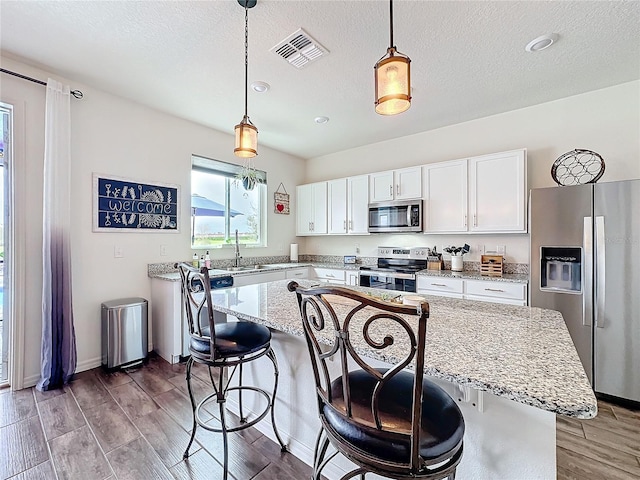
[[468, 59]]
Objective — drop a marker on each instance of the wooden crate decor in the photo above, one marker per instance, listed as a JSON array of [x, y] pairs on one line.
[[491, 265], [281, 200]]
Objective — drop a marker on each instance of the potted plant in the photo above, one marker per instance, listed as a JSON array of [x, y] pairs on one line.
[[456, 256], [248, 177]]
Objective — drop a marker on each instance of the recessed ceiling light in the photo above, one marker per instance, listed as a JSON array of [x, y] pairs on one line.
[[260, 87], [542, 42], [321, 119]]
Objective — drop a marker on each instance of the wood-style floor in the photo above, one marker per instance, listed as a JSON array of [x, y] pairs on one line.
[[135, 426]]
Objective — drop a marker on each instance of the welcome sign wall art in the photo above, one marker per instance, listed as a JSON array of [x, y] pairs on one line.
[[121, 204]]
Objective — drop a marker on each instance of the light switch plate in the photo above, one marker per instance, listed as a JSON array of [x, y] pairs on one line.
[[163, 250], [118, 252], [501, 249]]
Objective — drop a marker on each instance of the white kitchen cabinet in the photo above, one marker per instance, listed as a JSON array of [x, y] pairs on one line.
[[358, 205], [443, 287], [401, 184], [353, 277], [311, 213], [482, 290], [497, 192], [330, 275], [302, 272], [254, 278], [485, 194], [498, 292], [445, 197], [337, 208], [348, 205]]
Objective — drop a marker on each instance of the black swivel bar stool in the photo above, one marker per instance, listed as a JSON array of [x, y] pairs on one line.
[[222, 345], [390, 422]]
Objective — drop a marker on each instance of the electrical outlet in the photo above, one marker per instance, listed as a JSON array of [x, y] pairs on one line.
[[357, 248], [501, 249], [280, 248], [480, 249], [163, 250], [118, 252]]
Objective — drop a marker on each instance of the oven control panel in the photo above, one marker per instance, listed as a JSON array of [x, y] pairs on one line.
[[404, 252]]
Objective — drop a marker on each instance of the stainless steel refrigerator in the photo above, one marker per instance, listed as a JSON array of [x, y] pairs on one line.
[[585, 262]]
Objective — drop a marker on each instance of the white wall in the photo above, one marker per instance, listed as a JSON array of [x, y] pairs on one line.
[[111, 135], [606, 121]]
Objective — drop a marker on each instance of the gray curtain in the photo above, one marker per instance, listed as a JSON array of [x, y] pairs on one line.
[[58, 337]]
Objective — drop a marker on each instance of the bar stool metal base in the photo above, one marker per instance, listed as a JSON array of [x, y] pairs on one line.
[[220, 392]]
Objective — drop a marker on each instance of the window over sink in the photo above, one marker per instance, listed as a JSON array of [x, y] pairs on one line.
[[221, 203]]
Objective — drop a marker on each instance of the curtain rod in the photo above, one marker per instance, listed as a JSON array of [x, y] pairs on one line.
[[76, 93]]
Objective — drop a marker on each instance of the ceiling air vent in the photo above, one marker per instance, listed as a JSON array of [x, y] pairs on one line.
[[299, 49]]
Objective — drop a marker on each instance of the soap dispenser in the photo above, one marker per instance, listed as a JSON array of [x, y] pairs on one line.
[[207, 260], [195, 262]]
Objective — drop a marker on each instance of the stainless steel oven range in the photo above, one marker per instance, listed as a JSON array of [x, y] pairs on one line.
[[396, 269]]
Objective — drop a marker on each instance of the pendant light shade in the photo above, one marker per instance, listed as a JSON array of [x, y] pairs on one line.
[[246, 139], [392, 78], [246, 133]]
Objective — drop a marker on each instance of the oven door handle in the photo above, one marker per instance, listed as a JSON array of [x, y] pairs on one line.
[[373, 273]]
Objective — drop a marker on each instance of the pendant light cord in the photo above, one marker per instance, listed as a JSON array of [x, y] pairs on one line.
[[391, 23], [246, 57]]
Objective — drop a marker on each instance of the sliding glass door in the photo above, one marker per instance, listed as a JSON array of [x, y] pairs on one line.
[[5, 198]]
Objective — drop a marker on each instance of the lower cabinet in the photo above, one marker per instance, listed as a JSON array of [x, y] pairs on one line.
[[330, 275], [444, 287], [253, 278], [302, 272], [481, 290]]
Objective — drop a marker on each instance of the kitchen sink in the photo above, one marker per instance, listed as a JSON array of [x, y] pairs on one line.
[[249, 267]]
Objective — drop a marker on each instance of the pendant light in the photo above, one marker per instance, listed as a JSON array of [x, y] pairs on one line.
[[393, 78], [246, 132]]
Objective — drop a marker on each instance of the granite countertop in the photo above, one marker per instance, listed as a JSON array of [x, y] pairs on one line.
[[473, 275], [522, 353], [273, 267]]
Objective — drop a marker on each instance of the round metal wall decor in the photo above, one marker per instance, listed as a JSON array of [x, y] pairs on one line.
[[577, 167]]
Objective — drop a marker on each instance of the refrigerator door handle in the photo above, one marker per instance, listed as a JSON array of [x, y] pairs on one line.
[[587, 297], [600, 272]]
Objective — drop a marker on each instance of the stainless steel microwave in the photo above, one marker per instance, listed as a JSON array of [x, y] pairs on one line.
[[404, 216]]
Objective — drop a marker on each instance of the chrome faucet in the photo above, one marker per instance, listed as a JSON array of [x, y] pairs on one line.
[[238, 257]]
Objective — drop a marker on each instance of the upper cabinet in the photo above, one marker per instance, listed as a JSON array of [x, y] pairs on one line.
[[348, 205], [445, 205], [497, 192], [311, 214], [485, 194], [402, 184]]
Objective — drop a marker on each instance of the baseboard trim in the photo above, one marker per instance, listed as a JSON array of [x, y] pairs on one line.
[[32, 380]]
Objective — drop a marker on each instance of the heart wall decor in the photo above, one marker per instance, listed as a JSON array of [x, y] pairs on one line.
[[281, 200]]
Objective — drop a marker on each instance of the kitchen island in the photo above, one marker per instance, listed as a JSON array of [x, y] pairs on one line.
[[510, 368]]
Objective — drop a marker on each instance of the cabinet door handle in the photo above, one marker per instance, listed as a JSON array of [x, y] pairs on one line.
[[475, 220], [493, 290], [438, 284], [398, 189], [350, 224], [465, 220], [329, 275], [391, 190], [344, 226]]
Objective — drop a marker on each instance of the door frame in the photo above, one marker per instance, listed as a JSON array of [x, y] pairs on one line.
[[14, 250]]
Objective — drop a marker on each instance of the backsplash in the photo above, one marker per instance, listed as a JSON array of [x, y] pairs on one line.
[[168, 267]]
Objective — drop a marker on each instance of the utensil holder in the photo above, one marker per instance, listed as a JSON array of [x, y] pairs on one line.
[[456, 263]]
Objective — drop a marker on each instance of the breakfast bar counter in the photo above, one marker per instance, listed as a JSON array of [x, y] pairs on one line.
[[510, 368], [522, 353]]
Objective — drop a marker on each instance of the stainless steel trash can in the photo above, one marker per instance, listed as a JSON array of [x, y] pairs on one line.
[[124, 331]]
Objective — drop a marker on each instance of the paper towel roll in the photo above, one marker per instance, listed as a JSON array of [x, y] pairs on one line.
[[294, 252]]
